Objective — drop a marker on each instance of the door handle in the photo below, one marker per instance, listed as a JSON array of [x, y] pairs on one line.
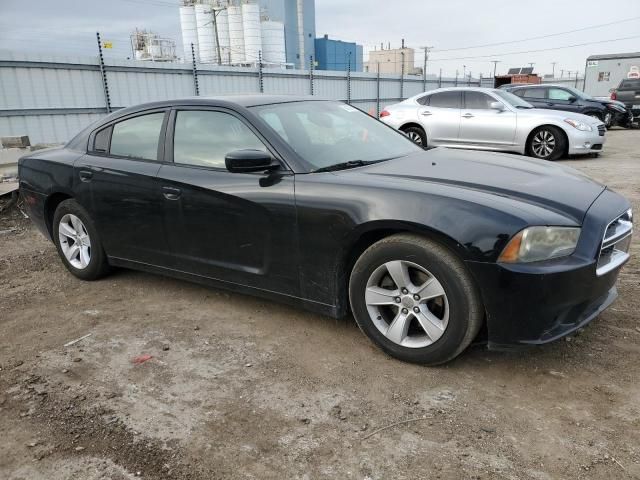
[[85, 175], [467, 115], [171, 193], [426, 113]]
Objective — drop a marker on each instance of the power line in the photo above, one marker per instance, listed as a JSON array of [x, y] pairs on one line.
[[538, 50], [538, 37]]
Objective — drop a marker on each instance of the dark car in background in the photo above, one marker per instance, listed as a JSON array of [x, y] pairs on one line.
[[628, 92], [569, 99], [319, 205]]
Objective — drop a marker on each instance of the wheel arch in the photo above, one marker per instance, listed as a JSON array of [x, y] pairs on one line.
[[554, 125], [368, 234], [51, 204], [412, 124]]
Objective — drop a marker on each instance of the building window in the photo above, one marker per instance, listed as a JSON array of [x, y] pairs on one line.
[[603, 76]]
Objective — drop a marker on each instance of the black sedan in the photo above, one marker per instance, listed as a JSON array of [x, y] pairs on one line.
[[319, 205], [566, 98]]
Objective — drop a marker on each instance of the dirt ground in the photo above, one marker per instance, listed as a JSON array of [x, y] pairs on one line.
[[241, 388]]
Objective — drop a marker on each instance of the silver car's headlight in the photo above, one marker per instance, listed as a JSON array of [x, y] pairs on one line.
[[583, 127], [534, 244]]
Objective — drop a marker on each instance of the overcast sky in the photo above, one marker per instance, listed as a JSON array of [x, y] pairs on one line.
[[69, 26]]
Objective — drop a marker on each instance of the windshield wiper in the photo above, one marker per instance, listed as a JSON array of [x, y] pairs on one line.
[[342, 166]]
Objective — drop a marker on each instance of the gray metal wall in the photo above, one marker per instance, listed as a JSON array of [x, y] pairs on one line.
[[52, 98]]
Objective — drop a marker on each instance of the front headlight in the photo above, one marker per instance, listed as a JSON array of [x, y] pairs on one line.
[[583, 127], [534, 244]]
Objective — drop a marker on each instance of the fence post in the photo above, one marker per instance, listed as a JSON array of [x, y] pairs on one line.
[[349, 80], [260, 76], [378, 90], [195, 71], [440, 79], [103, 74], [402, 77], [311, 74]]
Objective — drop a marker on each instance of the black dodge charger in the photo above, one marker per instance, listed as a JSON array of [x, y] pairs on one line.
[[317, 204]]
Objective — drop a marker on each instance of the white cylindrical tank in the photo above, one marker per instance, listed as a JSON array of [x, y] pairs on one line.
[[222, 21], [236, 33], [251, 27], [189, 31], [206, 35], [273, 46]]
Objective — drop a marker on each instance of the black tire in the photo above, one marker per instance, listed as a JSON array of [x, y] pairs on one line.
[[466, 312], [560, 143], [417, 135], [97, 266]]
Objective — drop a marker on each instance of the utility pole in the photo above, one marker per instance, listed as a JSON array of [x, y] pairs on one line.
[[561, 73], [553, 71], [495, 67], [424, 68], [531, 64], [464, 71]]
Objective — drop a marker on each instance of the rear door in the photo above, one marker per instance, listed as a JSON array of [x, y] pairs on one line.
[[535, 96], [116, 182], [236, 227], [483, 126], [440, 117]]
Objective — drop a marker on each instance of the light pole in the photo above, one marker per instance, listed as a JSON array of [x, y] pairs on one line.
[[495, 66], [553, 71]]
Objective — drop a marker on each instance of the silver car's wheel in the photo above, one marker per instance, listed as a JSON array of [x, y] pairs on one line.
[[415, 137], [407, 304], [543, 144], [74, 241]]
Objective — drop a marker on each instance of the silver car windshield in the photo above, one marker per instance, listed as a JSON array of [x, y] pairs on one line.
[[327, 134], [512, 99]]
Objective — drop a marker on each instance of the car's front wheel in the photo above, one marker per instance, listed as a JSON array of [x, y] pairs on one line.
[[547, 143], [417, 135], [77, 241], [415, 299]]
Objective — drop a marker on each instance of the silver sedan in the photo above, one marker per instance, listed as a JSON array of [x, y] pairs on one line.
[[490, 119]]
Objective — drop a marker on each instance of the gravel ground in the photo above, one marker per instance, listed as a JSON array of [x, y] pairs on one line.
[[241, 388]]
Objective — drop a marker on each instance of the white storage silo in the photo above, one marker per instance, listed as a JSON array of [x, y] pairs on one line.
[[236, 33], [273, 46], [189, 31], [251, 27], [206, 34], [222, 22]]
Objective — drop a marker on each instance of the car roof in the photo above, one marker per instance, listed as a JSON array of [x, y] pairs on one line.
[[458, 89]]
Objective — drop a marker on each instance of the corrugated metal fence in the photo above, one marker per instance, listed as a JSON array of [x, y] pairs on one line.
[[52, 98]]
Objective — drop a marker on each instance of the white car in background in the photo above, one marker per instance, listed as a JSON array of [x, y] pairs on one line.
[[490, 119]]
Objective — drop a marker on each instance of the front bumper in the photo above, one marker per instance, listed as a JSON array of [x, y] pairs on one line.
[[581, 143], [537, 303]]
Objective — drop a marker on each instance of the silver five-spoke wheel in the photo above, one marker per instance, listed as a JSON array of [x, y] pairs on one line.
[[543, 144], [74, 241], [407, 304], [414, 137]]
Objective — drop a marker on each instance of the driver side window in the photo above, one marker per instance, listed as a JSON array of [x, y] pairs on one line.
[[204, 138], [559, 94]]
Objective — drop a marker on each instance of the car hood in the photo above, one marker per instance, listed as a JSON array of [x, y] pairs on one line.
[[543, 184], [558, 115]]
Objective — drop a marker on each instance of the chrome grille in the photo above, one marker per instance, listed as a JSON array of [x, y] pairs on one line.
[[614, 250], [601, 130]]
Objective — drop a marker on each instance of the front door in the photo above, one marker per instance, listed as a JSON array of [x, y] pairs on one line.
[[116, 183], [561, 99], [483, 126], [441, 117], [236, 227]]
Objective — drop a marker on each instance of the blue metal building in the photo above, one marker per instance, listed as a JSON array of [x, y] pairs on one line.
[[336, 55]]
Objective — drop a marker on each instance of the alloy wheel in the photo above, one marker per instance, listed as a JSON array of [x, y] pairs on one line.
[[543, 144], [74, 241], [415, 137], [407, 304]]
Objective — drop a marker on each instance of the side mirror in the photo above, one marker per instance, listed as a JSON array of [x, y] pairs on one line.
[[247, 161], [496, 106], [572, 99]]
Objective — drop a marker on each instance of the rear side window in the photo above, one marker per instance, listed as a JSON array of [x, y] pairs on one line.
[[532, 93], [452, 99], [137, 137], [630, 84], [477, 101], [101, 140]]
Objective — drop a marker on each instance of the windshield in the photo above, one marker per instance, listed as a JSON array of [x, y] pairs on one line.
[[330, 133], [512, 99], [579, 94]]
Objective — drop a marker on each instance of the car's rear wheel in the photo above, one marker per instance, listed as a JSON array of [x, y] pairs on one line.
[[415, 299], [547, 143], [77, 241], [417, 135]]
